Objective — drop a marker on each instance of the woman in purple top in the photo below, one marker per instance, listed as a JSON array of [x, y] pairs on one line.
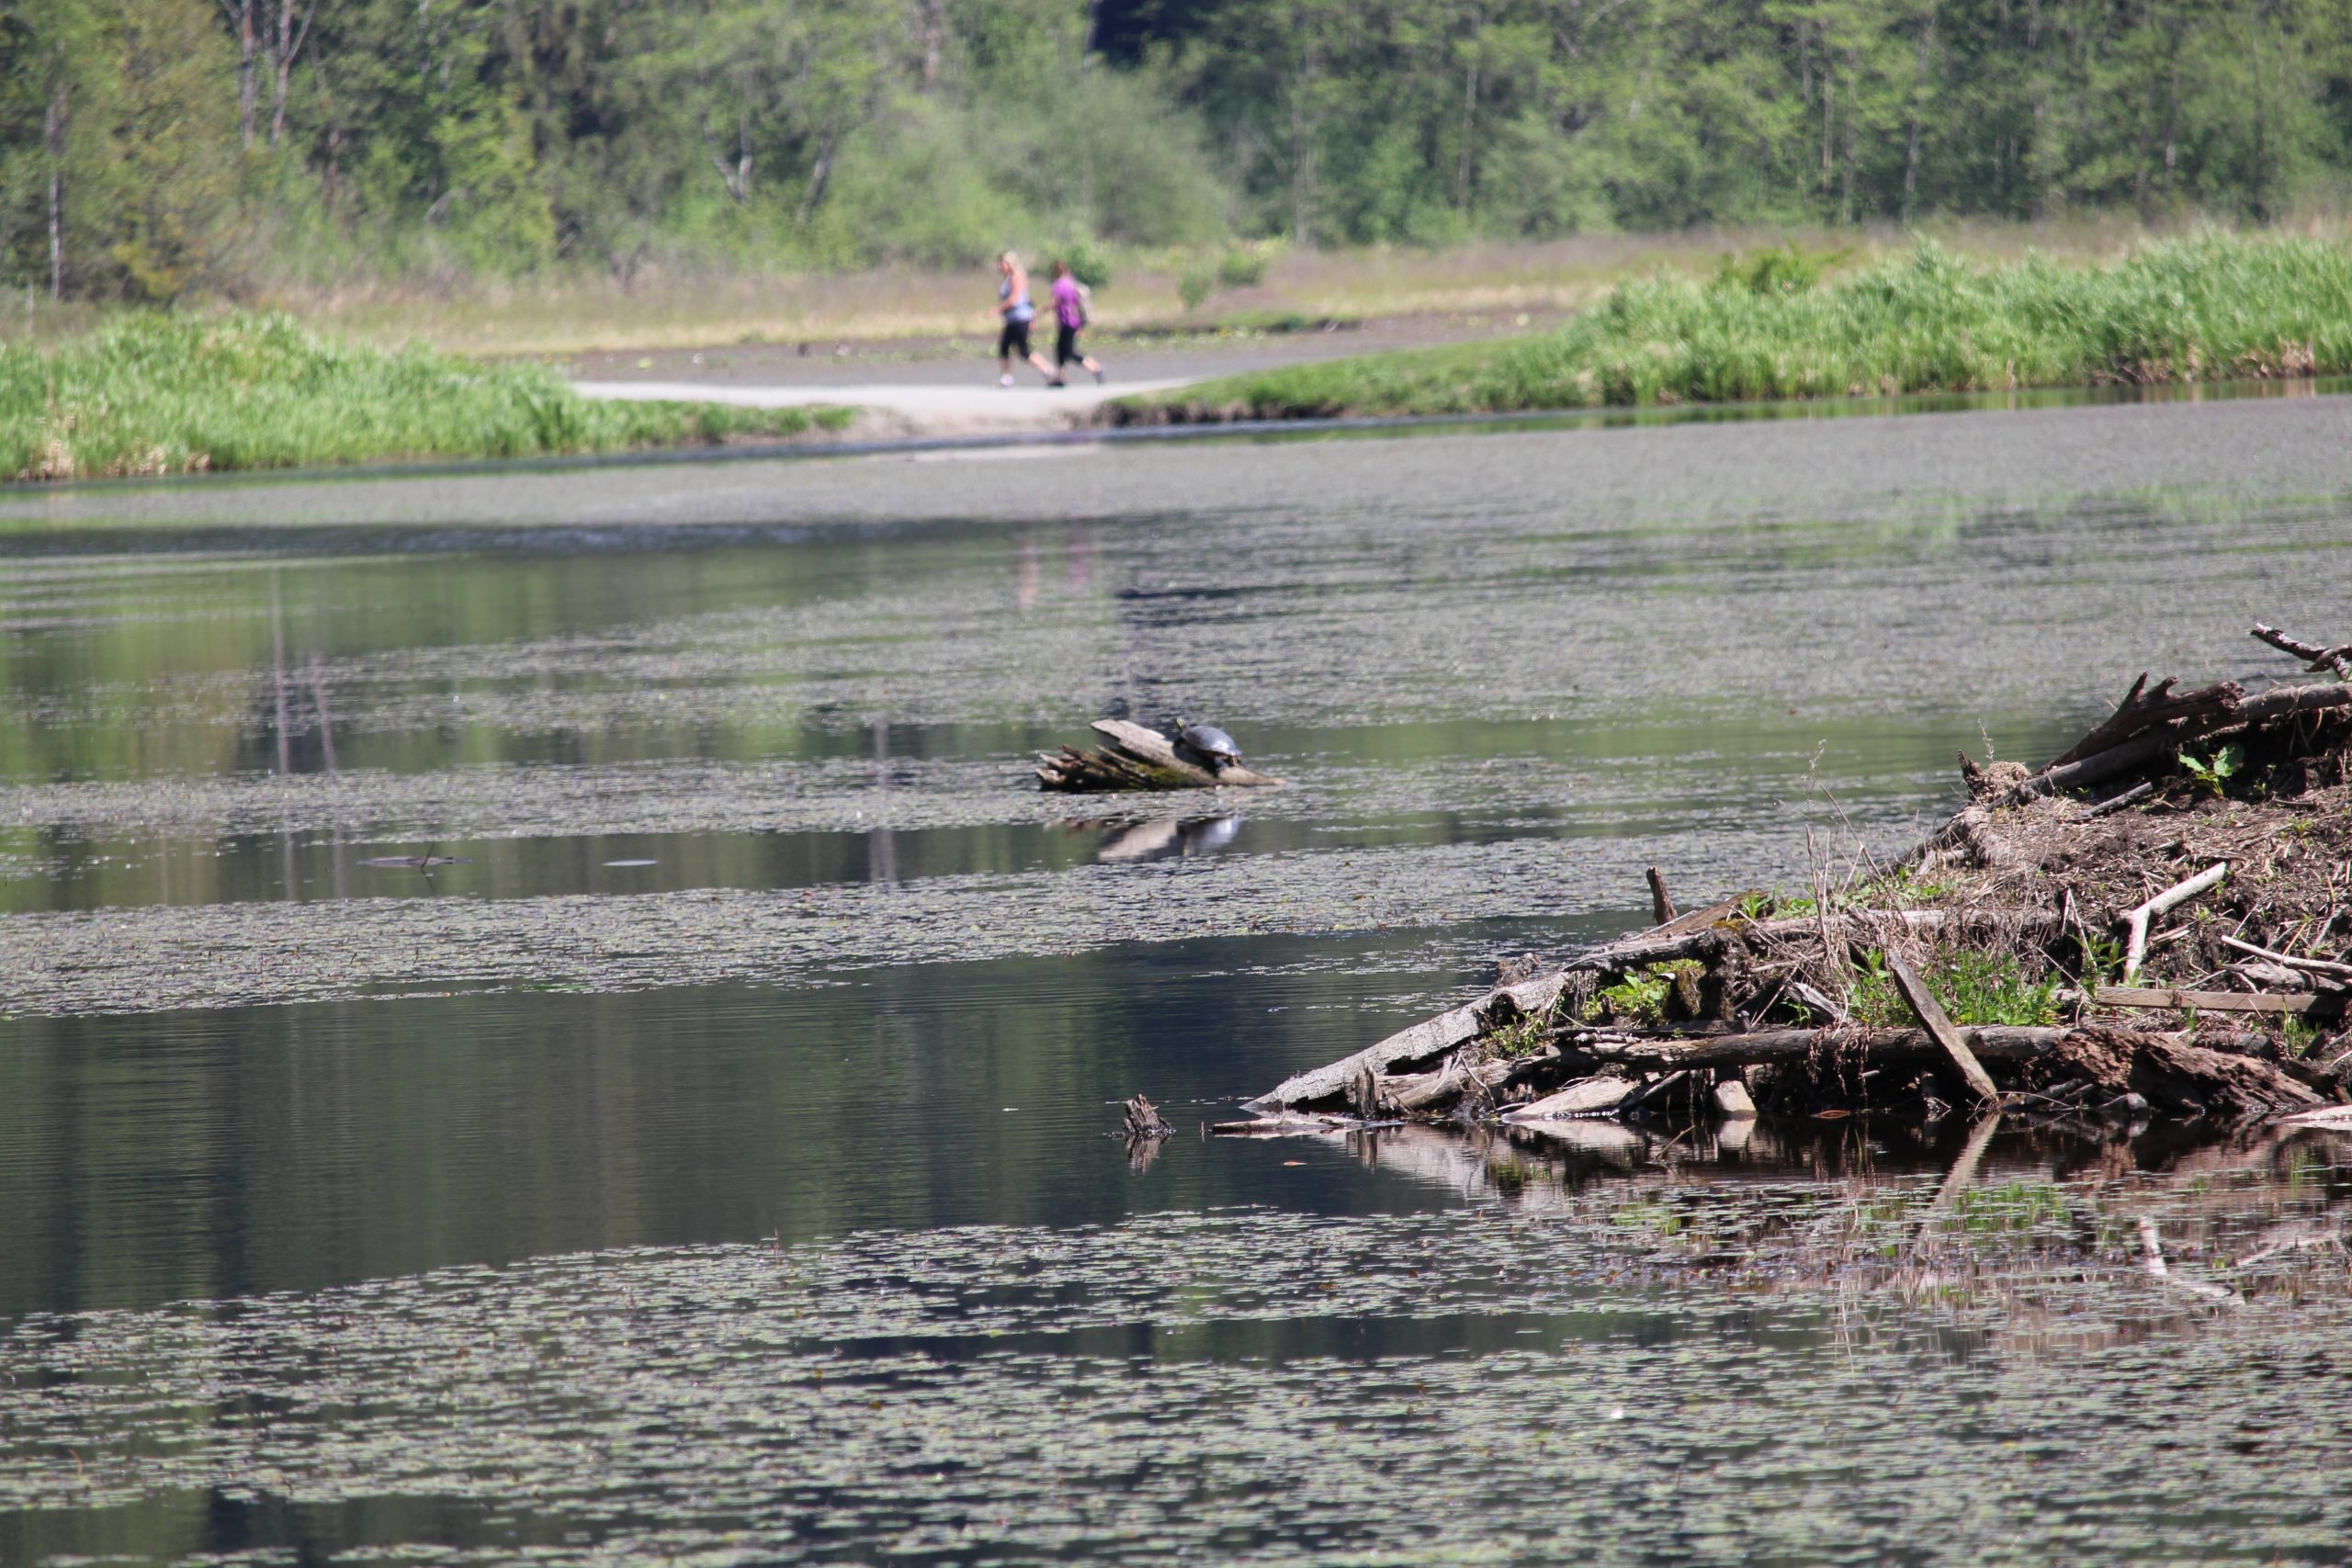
[[1069, 315]]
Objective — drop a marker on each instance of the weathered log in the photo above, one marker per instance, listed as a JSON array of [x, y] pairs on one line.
[[1281, 1124], [1138, 758], [2116, 803], [1424, 1041], [2138, 753], [2142, 709], [1144, 1121], [2337, 658], [1586, 1097], [2170, 1069], [1661, 902], [1422, 1091], [1782, 1045], [1667, 943], [2323, 1004], [1932, 1017], [2316, 966], [2136, 919]]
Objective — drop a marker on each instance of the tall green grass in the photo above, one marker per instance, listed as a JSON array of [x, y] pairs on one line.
[[160, 394], [2215, 307]]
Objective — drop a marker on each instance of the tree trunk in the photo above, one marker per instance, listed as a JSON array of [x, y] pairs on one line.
[[288, 48], [240, 12], [1301, 136], [53, 139], [1828, 103], [934, 32], [1846, 184], [818, 174], [1462, 165], [1918, 107]]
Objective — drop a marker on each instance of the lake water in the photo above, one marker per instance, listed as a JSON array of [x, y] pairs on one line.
[[713, 1161]]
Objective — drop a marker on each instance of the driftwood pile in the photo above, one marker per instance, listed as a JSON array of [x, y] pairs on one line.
[[2176, 949], [1138, 757]]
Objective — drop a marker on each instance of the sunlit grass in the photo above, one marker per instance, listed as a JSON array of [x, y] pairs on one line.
[[154, 394], [2209, 307]]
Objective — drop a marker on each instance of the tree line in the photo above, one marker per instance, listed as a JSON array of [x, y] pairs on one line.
[[153, 147]]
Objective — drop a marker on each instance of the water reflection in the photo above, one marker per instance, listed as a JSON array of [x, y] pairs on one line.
[[1161, 838]]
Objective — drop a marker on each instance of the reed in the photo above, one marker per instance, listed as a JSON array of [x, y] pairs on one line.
[[167, 394], [2211, 307]]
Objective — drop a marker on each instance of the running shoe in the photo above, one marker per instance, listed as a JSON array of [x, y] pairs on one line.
[[1004, 380], [1098, 378]]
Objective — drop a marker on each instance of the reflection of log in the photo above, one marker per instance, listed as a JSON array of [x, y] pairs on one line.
[[1137, 757]]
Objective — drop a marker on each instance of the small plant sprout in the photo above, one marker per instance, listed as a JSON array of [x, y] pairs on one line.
[[2215, 772]]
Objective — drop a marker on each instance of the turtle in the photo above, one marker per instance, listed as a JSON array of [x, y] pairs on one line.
[[1207, 745]]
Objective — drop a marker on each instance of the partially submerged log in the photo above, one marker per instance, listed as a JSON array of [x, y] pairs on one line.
[[1930, 1013], [1137, 757]]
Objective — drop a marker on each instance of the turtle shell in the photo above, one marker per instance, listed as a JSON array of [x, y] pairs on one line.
[[1208, 740]]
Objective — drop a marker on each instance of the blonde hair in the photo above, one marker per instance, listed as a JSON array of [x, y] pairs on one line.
[[1006, 258]]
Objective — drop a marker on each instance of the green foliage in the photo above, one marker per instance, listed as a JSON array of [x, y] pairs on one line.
[[1641, 996], [1194, 286], [1782, 270], [1089, 262], [2215, 772], [1524, 1038], [2102, 957], [491, 137], [1241, 267], [2217, 305], [2298, 1035], [1975, 988], [157, 394]]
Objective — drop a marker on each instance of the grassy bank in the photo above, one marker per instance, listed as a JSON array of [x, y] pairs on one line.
[[2209, 307], [152, 394]]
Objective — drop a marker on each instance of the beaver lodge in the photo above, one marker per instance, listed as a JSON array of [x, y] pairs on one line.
[[2153, 925]]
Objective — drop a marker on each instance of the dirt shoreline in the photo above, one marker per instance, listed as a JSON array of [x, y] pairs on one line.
[[945, 387]]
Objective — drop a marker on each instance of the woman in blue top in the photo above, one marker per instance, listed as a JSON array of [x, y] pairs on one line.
[[1013, 305]]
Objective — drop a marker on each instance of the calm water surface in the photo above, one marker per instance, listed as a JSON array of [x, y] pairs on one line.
[[712, 1161]]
